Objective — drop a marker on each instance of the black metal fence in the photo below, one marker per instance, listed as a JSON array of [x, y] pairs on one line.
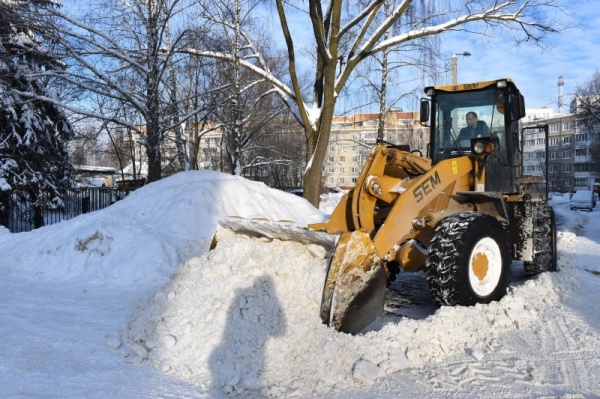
[[18, 214]]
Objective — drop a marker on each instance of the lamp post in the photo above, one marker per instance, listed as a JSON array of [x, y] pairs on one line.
[[455, 66]]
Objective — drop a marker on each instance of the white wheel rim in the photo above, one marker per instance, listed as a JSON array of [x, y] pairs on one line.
[[485, 267]]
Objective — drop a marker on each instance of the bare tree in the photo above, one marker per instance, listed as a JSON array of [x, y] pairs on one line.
[[130, 59], [587, 112], [380, 74], [196, 77], [345, 36], [124, 52], [244, 107], [85, 147]]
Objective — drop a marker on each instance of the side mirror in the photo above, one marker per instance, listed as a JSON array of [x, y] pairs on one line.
[[517, 106], [424, 111]]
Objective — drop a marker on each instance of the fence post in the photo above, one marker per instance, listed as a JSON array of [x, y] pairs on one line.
[[4, 208], [85, 204], [39, 216]]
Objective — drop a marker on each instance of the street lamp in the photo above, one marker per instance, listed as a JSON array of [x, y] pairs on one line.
[[454, 65]]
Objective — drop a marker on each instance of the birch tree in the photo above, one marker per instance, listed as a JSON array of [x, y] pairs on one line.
[[344, 36], [244, 107]]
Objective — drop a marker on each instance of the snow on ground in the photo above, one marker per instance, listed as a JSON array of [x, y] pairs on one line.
[[127, 302]]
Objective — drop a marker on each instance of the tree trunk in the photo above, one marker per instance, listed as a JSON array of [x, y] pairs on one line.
[[316, 150], [153, 151]]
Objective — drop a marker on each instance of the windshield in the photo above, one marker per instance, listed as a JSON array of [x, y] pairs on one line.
[[461, 116]]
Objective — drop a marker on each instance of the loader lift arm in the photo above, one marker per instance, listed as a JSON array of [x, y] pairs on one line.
[[388, 217]]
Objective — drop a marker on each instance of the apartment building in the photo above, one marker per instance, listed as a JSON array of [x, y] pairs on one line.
[[353, 138], [570, 165]]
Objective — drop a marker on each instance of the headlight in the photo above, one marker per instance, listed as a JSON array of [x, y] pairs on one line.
[[478, 147], [484, 147]]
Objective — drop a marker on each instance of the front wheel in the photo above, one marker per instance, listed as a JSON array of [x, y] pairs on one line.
[[469, 260]]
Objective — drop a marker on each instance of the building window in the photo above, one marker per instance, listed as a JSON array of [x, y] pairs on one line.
[[554, 127], [581, 152], [553, 155], [369, 136], [567, 182], [342, 159], [567, 139], [566, 154], [554, 141], [581, 182], [567, 168], [586, 167], [341, 180]]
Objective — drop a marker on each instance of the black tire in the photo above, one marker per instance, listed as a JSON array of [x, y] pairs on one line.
[[469, 260], [544, 242]]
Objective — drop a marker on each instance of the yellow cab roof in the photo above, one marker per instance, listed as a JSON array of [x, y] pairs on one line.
[[469, 86]]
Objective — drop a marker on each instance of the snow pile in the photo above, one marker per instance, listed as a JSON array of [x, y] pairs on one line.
[[146, 237], [329, 201], [243, 319]]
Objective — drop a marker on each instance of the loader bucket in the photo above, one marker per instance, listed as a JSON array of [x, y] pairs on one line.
[[354, 290]]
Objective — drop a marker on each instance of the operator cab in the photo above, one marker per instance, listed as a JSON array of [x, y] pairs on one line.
[[446, 114]]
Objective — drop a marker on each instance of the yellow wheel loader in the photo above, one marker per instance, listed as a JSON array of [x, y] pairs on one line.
[[461, 214]]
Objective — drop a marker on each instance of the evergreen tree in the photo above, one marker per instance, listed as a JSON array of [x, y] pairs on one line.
[[34, 131]]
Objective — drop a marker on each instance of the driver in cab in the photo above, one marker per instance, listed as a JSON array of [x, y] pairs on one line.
[[475, 128]]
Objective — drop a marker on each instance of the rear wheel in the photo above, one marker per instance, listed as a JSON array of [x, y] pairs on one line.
[[469, 260], [544, 242]]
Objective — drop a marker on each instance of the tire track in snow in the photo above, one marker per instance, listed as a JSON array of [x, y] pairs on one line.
[[561, 356], [558, 354]]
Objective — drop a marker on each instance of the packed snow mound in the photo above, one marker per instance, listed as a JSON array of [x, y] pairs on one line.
[[146, 237], [196, 200], [243, 320]]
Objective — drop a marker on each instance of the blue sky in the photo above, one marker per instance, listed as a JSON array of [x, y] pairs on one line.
[[574, 53]]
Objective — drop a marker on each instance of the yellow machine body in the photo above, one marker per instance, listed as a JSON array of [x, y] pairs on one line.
[[462, 212]]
